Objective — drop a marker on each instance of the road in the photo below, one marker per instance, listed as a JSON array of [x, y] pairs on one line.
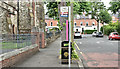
[[98, 52]]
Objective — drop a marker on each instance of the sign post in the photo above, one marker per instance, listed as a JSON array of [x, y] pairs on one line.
[[66, 50], [70, 36], [64, 11]]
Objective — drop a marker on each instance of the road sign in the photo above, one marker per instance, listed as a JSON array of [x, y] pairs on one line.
[[64, 11]]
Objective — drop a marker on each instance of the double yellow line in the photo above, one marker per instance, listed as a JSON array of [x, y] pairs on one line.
[[78, 47]]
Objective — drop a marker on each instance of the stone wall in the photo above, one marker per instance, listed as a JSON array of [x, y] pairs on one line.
[[3, 21], [24, 16], [29, 14]]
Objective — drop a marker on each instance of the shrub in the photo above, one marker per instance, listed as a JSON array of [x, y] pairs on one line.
[[108, 29], [101, 29], [112, 27], [89, 31]]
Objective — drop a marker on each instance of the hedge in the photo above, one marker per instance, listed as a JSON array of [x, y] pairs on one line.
[[89, 31]]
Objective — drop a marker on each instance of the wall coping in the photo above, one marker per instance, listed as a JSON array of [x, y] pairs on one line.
[[16, 52]]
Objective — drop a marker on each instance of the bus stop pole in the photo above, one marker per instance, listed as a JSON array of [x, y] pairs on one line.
[[69, 36]]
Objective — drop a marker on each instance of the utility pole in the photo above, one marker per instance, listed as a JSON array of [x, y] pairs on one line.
[[63, 20], [72, 23]]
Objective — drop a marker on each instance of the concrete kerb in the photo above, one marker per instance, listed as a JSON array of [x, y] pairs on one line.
[[80, 62]]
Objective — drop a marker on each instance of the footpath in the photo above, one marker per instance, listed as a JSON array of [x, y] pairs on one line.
[[47, 57]]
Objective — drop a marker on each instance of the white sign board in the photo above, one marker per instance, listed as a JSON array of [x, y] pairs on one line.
[[64, 11]]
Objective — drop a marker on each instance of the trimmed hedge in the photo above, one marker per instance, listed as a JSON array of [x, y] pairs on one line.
[[89, 31]]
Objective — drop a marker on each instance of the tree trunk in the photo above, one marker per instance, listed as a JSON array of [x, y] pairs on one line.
[[98, 25], [103, 28]]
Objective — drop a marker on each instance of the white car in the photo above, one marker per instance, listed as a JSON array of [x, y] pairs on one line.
[[94, 33], [97, 34], [77, 34]]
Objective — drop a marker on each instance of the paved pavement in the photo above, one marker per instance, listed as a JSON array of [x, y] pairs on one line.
[[98, 52], [48, 57]]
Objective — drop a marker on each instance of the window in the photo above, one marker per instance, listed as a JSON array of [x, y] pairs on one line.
[[51, 24], [57, 23], [45, 24], [81, 23], [75, 24], [93, 23], [86, 23]]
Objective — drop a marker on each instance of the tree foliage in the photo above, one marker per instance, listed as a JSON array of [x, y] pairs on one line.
[[115, 6], [96, 7], [78, 8], [104, 16], [112, 27], [52, 9]]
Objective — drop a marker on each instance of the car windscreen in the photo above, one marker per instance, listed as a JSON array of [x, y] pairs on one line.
[[115, 33], [100, 32], [77, 32]]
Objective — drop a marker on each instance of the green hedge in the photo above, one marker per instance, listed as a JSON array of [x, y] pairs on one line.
[[89, 31]]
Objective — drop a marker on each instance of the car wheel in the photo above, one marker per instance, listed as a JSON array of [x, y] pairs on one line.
[[111, 39]]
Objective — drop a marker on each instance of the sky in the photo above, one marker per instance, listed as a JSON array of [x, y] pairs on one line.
[[106, 3]]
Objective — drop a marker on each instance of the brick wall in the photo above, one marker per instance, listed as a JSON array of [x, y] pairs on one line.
[[11, 61]]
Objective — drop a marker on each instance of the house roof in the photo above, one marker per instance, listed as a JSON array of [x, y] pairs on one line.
[[116, 15]]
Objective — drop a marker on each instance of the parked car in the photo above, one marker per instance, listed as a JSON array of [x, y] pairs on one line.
[[114, 35], [94, 34], [77, 34], [97, 34]]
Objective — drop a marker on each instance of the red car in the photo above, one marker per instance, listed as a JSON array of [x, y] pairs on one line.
[[114, 35]]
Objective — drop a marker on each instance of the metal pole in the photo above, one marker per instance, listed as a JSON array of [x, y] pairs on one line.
[[69, 36], [18, 17], [17, 22]]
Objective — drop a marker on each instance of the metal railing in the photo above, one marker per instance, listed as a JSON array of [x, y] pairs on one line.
[[12, 42]]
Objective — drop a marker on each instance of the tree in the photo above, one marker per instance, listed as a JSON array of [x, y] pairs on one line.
[[52, 9], [96, 7], [78, 8], [115, 6], [104, 17]]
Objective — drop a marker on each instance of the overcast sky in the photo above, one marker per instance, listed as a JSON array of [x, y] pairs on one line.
[[106, 3]]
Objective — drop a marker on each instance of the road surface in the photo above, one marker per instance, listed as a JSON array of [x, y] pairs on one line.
[[98, 52]]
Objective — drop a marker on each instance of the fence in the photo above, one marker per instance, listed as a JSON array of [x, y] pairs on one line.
[[12, 42]]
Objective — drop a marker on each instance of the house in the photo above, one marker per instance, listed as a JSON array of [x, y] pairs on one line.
[[51, 23], [115, 18], [85, 24], [79, 24]]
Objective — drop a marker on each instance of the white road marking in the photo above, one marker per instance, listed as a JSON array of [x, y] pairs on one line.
[[113, 41], [98, 42], [80, 42]]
